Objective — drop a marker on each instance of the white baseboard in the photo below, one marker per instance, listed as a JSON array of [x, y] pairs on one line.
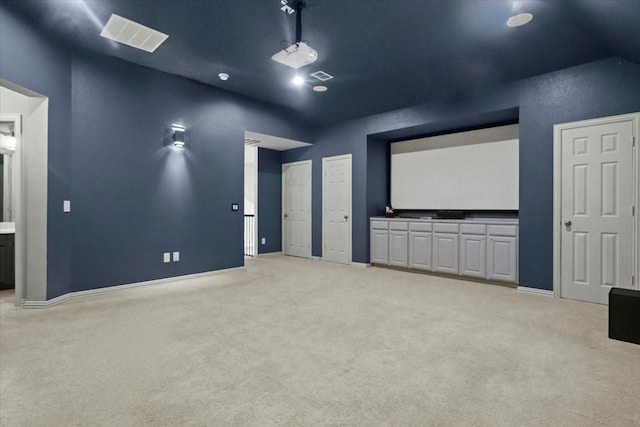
[[536, 291], [77, 294], [361, 264], [271, 254], [316, 258]]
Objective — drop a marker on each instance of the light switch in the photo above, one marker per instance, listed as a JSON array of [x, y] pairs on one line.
[[167, 257], [264, 240], [176, 256], [67, 206]]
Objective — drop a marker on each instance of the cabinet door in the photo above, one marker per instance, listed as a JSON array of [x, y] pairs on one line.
[[473, 257], [445, 259], [420, 250], [398, 248], [5, 260], [379, 247], [501, 258]]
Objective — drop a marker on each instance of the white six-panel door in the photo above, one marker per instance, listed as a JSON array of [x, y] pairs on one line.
[[296, 208], [596, 202], [336, 209]]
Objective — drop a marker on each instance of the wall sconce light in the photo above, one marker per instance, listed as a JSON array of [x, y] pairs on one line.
[[178, 135]]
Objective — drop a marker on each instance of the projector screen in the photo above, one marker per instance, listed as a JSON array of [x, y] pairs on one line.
[[475, 170]]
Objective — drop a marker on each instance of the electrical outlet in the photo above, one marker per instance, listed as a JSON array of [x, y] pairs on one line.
[[66, 206], [167, 257], [176, 256], [264, 240]]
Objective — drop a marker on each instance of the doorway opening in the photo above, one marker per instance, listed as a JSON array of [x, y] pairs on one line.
[[250, 200], [24, 117]]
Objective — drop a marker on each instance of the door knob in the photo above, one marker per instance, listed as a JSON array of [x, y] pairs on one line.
[[567, 223], [346, 217], [285, 215]]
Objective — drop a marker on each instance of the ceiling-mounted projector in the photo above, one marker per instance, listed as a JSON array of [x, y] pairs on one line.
[[297, 55]]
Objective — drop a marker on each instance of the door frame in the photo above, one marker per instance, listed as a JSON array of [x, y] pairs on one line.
[[17, 207], [557, 192], [324, 238], [310, 198]]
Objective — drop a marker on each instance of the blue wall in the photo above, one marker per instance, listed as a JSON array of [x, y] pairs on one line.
[[269, 200], [597, 89], [134, 196]]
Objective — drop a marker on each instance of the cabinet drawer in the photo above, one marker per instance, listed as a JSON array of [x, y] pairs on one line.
[[398, 225], [445, 228], [379, 225], [473, 229], [503, 230], [420, 226]]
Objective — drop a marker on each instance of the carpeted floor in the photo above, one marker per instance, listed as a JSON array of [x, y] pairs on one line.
[[293, 342]]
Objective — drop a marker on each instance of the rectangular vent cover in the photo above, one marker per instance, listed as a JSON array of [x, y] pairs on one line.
[[322, 76], [132, 34]]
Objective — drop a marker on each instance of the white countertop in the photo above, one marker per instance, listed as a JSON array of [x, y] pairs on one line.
[[510, 221], [7, 227]]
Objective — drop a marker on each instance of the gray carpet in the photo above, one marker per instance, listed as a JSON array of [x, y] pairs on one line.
[[293, 342]]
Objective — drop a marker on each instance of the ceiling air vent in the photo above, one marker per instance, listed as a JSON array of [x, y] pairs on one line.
[[322, 76], [132, 34]]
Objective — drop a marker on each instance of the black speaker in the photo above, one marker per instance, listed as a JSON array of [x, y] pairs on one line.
[[624, 315]]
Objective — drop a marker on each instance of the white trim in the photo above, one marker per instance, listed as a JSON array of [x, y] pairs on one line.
[[350, 198], [256, 199], [316, 258], [361, 264], [557, 193], [535, 291], [310, 222], [267, 254], [71, 295], [16, 203]]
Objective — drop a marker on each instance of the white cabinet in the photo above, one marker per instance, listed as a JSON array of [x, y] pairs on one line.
[[399, 243], [420, 245], [473, 250], [379, 246], [473, 259], [445, 248], [470, 248], [501, 258]]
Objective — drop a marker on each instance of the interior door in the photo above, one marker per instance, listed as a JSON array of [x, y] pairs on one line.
[[336, 209], [596, 210], [296, 201]]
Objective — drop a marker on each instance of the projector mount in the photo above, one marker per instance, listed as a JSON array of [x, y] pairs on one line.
[[299, 53], [295, 6]]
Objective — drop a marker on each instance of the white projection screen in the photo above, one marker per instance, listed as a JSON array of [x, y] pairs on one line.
[[476, 170]]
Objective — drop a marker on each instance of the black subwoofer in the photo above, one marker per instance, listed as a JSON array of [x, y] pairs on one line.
[[624, 315]]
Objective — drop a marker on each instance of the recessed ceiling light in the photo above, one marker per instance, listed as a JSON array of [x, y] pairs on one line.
[[320, 88], [223, 76], [519, 20], [298, 80]]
